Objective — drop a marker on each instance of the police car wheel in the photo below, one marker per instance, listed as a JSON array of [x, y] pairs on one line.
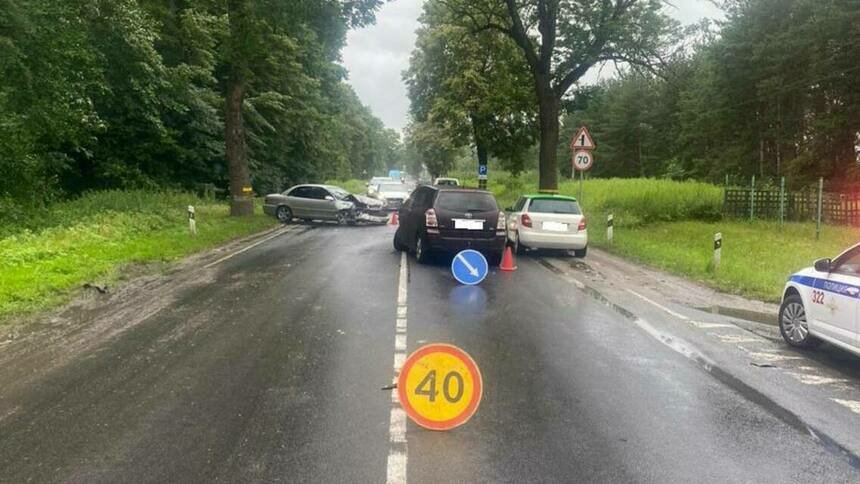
[[284, 214], [793, 324]]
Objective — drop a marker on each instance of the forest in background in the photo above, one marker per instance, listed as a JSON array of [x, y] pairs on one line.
[[128, 94], [104, 94], [772, 90]]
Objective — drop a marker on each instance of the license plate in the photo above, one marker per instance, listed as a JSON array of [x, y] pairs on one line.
[[554, 227], [468, 224]]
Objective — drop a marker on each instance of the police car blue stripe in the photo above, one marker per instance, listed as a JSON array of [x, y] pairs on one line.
[[842, 289], [804, 280]]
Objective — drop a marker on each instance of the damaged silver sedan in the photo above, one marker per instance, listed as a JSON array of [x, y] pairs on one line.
[[323, 202]]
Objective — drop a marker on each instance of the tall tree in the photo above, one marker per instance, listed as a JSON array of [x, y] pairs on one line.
[[562, 40], [252, 26], [477, 87]]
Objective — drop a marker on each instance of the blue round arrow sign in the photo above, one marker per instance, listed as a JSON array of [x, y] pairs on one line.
[[469, 267]]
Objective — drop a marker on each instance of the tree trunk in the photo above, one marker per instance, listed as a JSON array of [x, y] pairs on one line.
[[549, 127], [241, 203]]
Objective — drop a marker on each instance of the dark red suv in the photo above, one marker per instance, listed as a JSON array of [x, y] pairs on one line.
[[450, 219]]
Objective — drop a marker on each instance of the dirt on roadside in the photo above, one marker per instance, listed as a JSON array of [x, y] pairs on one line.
[[609, 269], [32, 345]]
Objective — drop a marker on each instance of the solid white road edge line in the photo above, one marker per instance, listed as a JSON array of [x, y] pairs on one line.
[[660, 306], [244, 249], [397, 450]]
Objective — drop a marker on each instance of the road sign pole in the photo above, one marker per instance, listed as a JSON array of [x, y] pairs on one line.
[[581, 175]]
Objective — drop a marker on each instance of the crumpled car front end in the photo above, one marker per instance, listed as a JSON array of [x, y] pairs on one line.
[[368, 209]]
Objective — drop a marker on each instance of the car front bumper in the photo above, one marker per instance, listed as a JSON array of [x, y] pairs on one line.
[[552, 240], [270, 209]]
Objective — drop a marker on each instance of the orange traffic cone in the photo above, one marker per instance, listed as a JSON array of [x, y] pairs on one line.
[[508, 263], [393, 219]]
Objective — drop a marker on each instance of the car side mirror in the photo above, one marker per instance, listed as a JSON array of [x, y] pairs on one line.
[[823, 265], [329, 198]]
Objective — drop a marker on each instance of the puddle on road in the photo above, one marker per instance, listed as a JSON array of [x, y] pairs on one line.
[[745, 314]]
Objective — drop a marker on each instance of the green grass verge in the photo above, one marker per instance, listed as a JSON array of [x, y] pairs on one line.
[[42, 262], [757, 257]]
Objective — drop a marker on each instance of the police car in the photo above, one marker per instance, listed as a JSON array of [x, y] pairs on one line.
[[822, 303]]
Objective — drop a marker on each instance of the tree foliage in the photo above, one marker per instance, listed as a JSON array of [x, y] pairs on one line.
[[774, 94], [561, 41], [474, 88], [130, 93]]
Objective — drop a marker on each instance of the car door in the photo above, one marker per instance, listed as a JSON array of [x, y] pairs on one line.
[[322, 203], [409, 215], [298, 199], [836, 299]]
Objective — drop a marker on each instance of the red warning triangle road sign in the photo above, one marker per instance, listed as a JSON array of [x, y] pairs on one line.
[[582, 140]]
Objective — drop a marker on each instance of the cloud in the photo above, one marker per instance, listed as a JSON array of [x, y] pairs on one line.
[[375, 57]]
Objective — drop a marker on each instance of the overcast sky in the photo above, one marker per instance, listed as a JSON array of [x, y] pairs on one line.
[[375, 56]]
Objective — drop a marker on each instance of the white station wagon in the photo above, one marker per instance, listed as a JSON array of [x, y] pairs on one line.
[[823, 303], [547, 222]]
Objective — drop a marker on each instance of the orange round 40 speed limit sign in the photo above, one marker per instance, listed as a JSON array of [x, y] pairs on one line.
[[439, 386]]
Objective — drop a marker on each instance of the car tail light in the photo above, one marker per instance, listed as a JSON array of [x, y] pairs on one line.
[[582, 225], [430, 218], [525, 220], [500, 225]]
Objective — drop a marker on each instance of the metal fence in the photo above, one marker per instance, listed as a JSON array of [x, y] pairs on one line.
[[837, 208]]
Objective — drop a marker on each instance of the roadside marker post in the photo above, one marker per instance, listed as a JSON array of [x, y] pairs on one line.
[[718, 249], [609, 228], [192, 224]]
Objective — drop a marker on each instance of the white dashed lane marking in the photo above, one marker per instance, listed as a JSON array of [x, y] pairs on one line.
[[397, 451]]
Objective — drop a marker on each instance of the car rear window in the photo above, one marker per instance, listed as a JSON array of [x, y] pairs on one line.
[[544, 205], [466, 202]]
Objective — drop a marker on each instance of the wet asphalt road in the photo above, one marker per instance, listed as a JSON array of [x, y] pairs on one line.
[[272, 372]]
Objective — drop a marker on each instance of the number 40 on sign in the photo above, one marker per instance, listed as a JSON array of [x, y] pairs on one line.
[[439, 387]]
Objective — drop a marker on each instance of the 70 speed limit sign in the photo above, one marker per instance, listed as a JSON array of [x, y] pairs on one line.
[[582, 160], [439, 387]]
